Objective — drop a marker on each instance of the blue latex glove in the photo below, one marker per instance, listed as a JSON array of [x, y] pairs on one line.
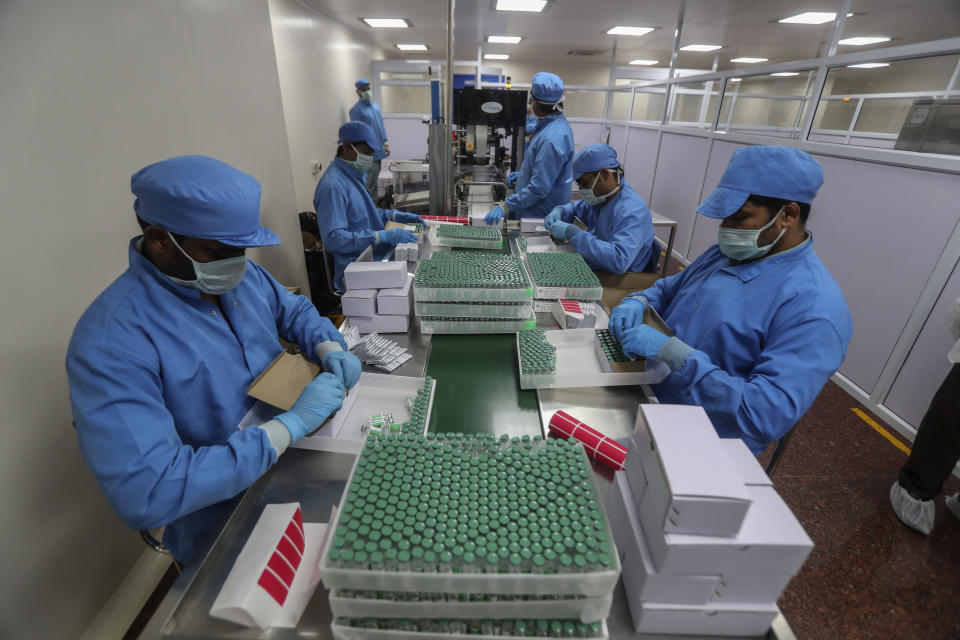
[[344, 365], [512, 179], [558, 229], [627, 315], [406, 216], [495, 216], [642, 342], [396, 236], [319, 400], [555, 216]]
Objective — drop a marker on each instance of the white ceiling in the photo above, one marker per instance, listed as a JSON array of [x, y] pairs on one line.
[[743, 27]]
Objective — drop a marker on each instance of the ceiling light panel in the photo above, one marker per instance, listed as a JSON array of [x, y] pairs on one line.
[[701, 47], [504, 39], [644, 63], [785, 74], [413, 47], [869, 65], [621, 30], [531, 6], [496, 56], [386, 23], [859, 41], [748, 60], [810, 17]]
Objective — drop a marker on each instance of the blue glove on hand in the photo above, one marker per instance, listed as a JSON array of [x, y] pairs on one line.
[[396, 236], [406, 216], [344, 365], [319, 400], [495, 216], [555, 216], [627, 315], [643, 342], [558, 229], [512, 179]]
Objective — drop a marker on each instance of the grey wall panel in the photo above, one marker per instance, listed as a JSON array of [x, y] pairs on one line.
[[640, 160], [927, 364], [704, 228], [679, 169], [618, 138], [408, 138], [585, 133], [880, 230]]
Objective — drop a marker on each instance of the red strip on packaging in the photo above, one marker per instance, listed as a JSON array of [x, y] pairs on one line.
[[296, 536], [282, 568], [273, 586], [598, 446]]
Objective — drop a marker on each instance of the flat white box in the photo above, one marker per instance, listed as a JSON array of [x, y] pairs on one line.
[[531, 224], [752, 473], [692, 486], [396, 302], [381, 324], [709, 620], [375, 275], [359, 302]]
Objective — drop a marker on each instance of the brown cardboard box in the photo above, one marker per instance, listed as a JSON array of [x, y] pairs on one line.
[[281, 383], [617, 287]]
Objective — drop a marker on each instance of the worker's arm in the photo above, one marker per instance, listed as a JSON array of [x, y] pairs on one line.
[[631, 239], [547, 167], [331, 206], [579, 209], [661, 294], [130, 442]]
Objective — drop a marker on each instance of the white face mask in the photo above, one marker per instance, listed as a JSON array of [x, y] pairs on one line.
[[593, 199], [213, 278], [742, 244], [363, 163], [366, 96]]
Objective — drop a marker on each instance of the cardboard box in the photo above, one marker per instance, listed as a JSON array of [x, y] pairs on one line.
[[693, 486], [375, 275], [359, 302], [710, 620], [396, 302], [749, 588], [381, 324], [282, 382], [746, 464]]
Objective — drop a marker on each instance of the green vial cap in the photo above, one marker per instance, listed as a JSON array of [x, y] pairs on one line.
[[446, 557], [334, 555], [566, 560], [403, 556]]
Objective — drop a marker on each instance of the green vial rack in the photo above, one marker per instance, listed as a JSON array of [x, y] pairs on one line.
[[435, 324], [563, 275], [467, 237], [351, 628], [517, 310], [466, 276]]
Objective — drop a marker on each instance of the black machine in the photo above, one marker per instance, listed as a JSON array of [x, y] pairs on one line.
[[487, 117]]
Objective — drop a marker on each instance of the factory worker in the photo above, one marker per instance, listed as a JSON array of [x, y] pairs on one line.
[[619, 235], [366, 110], [529, 129], [160, 363], [349, 222], [760, 323], [545, 174]]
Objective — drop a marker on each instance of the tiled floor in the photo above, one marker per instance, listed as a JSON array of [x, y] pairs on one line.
[[869, 576]]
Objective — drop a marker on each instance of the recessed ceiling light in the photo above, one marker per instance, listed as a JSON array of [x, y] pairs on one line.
[[533, 6], [859, 41], [621, 30], [644, 63], [785, 74], [701, 47], [413, 47], [504, 39], [810, 17], [748, 60], [496, 56], [386, 23], [734, 79], [417, 61], [869, 65]]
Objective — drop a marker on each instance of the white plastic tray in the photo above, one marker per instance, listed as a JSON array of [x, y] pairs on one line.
[[478, 325], [473, 310], [545, 244], [437, 241], [467, 294], [341, 632], [578, 365], [375, 393]]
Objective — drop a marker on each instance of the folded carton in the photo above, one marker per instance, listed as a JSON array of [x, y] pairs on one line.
[[282, 382], [359, 302], [375, 275], [395, 302]]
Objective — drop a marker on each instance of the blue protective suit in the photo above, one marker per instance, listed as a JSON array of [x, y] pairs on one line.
[[347, 217], [370, 113], [546, 174], [158, 383], [619, 236], [767, 335]]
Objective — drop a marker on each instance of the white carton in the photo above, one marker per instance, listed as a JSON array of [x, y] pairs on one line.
[[396, 302], [529, 225], [745, 462], [710, 620], [375, 275], [749, 588], [359, 302], [381, 324], [693, 486]]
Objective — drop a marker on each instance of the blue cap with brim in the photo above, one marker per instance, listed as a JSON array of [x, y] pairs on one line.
[[201, 197], [361, 83], [594, 157], [356, 131], [547, 87], [775, 172]]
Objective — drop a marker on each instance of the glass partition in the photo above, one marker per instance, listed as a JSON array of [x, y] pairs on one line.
[[405, 98], [648, 105], [620, 105], [584, 103], [767, 104], [691, 103]]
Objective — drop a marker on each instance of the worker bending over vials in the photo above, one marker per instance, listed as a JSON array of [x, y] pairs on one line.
[[760, 323], [349, 221], [366, 110], [543, 181], [160, 363], [619, 235]]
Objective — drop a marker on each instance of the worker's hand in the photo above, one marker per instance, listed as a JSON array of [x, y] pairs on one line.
[[344, 365], [512, 179], [555, 216], [627, 315], [563, 230], [319, 400], [397, 236], [495, 216], [642, 342], [386, 148], [406, 216]]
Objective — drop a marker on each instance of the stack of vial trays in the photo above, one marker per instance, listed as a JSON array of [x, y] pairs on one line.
[[473, 292], [485, 536], [561, 276], [538, 359], [466, 237]]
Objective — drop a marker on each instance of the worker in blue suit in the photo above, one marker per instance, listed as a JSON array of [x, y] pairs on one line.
[[366, 110], [529, 129], [349, 221], [619, 235], [160, 363], [760, 323], [545, 175]]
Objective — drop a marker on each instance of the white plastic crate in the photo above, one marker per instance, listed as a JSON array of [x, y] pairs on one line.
[[433, 324], [473, 310], [468, 294], [466, 243]]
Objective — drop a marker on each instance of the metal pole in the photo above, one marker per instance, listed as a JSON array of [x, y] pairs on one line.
[[668, 89], [476, 82], [448, 116]]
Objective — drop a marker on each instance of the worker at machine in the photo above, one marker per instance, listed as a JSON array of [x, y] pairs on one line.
[[545, 175], [366, 110], [529, 129], [760, 323], [348, 220], [160, 363], [619, 235]]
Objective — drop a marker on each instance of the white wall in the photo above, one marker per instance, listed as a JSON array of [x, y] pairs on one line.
[[91, 92]]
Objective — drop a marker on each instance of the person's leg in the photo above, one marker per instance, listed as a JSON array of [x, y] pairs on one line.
[[372, 176]]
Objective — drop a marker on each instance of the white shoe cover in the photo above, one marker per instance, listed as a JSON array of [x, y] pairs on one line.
[[916, 514], [953, 504]]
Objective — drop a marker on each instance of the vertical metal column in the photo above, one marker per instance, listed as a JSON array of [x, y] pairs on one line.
[[448, 116]]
